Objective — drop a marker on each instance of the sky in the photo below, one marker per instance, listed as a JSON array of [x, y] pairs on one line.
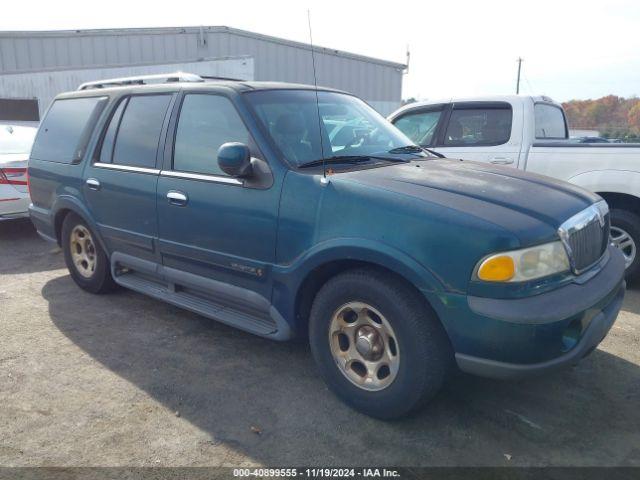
[[571, 49]]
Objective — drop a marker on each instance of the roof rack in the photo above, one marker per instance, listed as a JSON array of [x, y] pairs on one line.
[[143, 80]]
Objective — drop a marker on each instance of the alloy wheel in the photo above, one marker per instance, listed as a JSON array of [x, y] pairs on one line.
[[83, 251], [625, 243], [364, 346]]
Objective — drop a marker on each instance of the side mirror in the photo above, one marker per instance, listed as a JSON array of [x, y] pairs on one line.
[[234, 159]]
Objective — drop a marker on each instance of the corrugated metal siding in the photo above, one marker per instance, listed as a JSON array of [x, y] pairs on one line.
[[46, 85], [275, 59]]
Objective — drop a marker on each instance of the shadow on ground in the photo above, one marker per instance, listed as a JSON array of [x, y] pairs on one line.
[[28, 253], [225, 381]]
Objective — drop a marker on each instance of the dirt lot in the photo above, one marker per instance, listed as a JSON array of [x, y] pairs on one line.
[[125, 380]]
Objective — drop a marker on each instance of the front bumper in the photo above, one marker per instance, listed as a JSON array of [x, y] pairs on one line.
[[510, 338]]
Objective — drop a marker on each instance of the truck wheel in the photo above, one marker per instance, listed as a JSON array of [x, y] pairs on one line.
[[625, 235], [85, 258], [377, 344]]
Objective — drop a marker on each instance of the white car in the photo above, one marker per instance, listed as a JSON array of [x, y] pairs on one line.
[[531, 133], [15, 145]]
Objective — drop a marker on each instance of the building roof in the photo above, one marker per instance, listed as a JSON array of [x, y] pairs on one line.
[[192, 30]]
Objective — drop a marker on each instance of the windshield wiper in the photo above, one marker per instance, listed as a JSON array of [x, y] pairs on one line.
[[349, 159], [415, 149]]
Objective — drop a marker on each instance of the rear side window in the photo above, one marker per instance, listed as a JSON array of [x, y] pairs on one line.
[[106, 153], [550, 122], [206, 122], [64, 132], [478, 125], [138, 135], [419, 126]]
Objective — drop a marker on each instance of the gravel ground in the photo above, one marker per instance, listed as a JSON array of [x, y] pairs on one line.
[[124, 380]]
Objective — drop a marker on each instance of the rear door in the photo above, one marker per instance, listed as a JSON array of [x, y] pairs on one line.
[[120, 183], [482, 131]]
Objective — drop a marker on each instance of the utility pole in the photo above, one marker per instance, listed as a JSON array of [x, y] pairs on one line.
[[518, 82]]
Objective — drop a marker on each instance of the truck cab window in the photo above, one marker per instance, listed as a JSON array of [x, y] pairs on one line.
[[479, 126], [420, 126], [550, 122]]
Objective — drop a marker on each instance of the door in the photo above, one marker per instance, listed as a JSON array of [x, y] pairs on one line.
[[120, 184], [482, 131], [212, 225]]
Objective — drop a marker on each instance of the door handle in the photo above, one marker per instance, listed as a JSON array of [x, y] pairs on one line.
[[502, 161], [177, 198], [93, 183]]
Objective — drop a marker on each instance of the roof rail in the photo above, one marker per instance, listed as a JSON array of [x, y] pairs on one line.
[[142, 80]]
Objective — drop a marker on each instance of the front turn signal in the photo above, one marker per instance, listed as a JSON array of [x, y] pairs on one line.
[[499, 268]]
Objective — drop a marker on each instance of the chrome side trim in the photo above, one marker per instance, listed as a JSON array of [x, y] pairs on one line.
[[126, 168], [203, 177]]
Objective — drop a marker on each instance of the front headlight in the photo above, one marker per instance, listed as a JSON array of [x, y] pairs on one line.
[[525, 264]]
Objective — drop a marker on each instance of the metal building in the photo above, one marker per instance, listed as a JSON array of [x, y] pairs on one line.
[[36, 66]]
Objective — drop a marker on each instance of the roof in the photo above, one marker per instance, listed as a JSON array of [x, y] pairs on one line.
[[237, 85], [485, 98], [197, 30]]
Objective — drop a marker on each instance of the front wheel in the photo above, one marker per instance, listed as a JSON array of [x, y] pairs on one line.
[[625, 235], [377, 343]]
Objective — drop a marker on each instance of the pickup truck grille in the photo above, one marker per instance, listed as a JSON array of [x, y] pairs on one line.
[[586, 236]]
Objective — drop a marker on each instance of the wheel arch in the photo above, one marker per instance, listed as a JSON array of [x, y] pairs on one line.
[[62, 208], [331, 262], [622, 201]]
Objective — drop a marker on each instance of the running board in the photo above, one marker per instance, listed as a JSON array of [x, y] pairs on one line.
[[231, 305]]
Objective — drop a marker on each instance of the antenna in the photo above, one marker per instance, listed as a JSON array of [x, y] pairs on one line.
[[315, 84], [518, 81]]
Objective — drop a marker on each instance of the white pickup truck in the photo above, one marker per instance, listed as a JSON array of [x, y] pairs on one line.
[[531, 133]]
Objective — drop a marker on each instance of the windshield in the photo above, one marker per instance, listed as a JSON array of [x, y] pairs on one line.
[[349, 126], [16, 139]]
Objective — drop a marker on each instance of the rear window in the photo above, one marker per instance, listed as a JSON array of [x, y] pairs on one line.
[[550, 121], [139, 131], [64, 132]]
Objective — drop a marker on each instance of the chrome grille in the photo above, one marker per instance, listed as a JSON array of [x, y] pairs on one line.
[[586, 236]]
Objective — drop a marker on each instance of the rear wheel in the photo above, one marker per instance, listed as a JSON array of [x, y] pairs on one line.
[[377, 343], [625, 235], [86, 260]]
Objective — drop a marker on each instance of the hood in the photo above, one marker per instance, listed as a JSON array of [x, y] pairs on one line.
[[504, 196]]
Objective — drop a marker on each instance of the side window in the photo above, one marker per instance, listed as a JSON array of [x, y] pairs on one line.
[[205, 123], [139, 132], [550, 121], [476, 126], [64, 132], [419, 126], [106, 153]]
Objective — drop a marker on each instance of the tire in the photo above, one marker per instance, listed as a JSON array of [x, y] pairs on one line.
[[626, 225], [80, 247], [423, 354]]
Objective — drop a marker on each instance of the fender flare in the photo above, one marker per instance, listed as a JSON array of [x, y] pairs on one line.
[[289, 279], [71, 203], [613, 181], [369, 251]]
